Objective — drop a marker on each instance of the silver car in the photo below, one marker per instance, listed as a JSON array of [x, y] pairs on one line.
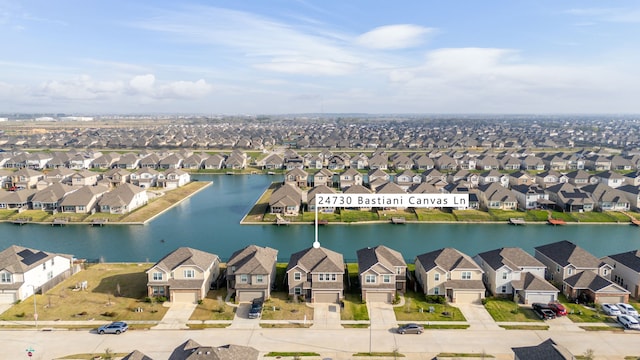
[[629, 322], [627, 309]]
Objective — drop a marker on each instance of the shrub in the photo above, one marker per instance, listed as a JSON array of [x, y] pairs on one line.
[[200, 302], [20, 315], [109, 313], [515, 310], [484, 301], [435, 299], [82, 313], [148, 299]]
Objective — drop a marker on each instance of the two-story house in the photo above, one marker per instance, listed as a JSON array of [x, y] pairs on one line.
[[513, 272], [451, 273], [317, 275], [382, 272], [25, 271], [251, 272], [184, 275], [123, 199], [626, 270]]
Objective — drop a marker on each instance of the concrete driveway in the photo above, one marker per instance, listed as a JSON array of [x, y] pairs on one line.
[[326, 316], [381, 315], [177, 316], [241, 319], [478, 317]]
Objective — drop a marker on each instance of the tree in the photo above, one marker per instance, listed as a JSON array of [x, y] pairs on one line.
[[588, 355]]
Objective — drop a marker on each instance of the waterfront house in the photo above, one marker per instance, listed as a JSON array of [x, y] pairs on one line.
[[495, 196], [451, 273], [184, 275], [195, 161], [297, 177], [589, 287], [382, 273], [48, 199], [24, 271], [547, 350], [85, 178], [173, 179], [626, 270], [251, 273], [531, 197], [632, 193], [215, 162], [144, 178], [311, 199], [564, 259], [359, 189], [322, 177], [83, 200], [349, 178], [15, 200], [317, 275], [570, 198], [514, 273], [236, 160], [191, 350], [286, 200], [123, 199], [607, 198]]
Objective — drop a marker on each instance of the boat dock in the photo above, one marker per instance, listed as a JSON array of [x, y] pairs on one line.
[[21, 221], [517, 221], [554, 222], [98, 222], [398, 220], [59, 222], [281, 221]]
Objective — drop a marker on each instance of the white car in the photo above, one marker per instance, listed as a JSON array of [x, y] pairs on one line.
[[629, 322], [611, 309], [627, 309]]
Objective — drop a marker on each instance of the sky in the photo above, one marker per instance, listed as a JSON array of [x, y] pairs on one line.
[[328, 56]]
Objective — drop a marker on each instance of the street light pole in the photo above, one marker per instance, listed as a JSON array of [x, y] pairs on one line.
[[35, 306]]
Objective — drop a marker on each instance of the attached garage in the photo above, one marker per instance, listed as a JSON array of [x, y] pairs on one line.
[[540, 298], [468, 297], [612, 299], [248, 296], [184, 296], [7, 298], [378, 297], [327, 297]]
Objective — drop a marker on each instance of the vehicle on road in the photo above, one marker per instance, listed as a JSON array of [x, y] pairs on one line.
[[558, 308], [256, 308], [410, 329], [117, 328], [543, 311], [628, 321], [627, 309], [611, 309]]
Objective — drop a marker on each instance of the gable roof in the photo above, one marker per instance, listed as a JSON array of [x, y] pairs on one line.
[[448, 259], [630, 259], [565, 252], [191, 350], [19, 259], [317, 260], [253, 259], [531, 282], [389, 258], [136, 355], [592, 281], [547, 350], [185, 256], [513, 257]]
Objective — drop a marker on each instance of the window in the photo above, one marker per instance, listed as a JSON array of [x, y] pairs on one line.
[[158, 290], [399, 270], [297, 291], [466, 275], [327, 277], [297, 276], [52, 261], [570, 271], [558, 269], [157, 276], [504, 275], [370, 279], [605, 272], [5, 278], [44, 266], [504, 289], [386, 279], [259, 279], [50, 275], [436, 291], [244, 278], [436, 277], [189, 273]]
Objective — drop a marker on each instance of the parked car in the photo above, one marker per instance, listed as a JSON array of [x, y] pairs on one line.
[[410, 329], [256, 309], [627, 309], [117, 328], [628, 321], [543, 311], [610, 309], [558, 308]]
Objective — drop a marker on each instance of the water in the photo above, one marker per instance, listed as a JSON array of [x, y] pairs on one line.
[[210, 221]]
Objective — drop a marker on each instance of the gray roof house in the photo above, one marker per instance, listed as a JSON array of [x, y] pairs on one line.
[[251, 272], [191, 350], [286, 200], [123, 199], [564, 259], [316, 274], [382, 272], [626, 270], [547, 350], [83, 200]]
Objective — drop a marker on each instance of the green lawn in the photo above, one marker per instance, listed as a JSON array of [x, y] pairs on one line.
[[472, 215], [416, 308], [357, 215], [424, 214], [354, 309], [593, 216], [505, 310], [582, 314], [5, 214], [504, 215]]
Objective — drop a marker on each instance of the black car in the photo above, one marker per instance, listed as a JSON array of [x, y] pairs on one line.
[[543, 311], [256, 309]]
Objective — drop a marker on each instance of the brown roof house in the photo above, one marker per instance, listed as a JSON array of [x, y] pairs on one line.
[[251, 272], [383, 272], [123, 199], [316, 274], [450, 273], [183, 275], [83, 200], [286, 200], [191, 350]]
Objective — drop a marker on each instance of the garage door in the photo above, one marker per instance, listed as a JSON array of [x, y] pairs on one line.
[[468, 297], [247, 296], [610, 299], [183, 297], [7, 298], [327, 297], [378, 297], [540, 298]]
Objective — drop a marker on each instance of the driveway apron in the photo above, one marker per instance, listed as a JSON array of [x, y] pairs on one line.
[[326, 316], [241, 319], [177, 316], [478, 317], [381, 315]]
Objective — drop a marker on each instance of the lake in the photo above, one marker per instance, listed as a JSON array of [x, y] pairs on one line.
[[210, 221]]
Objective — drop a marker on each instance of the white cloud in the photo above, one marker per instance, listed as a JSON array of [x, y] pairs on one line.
[[313, 67], [143, 84], [394, 36], [616, 15]]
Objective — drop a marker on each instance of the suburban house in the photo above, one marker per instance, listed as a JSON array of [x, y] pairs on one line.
[[83, 200], [184, 275], [626, 270], [589, 287], [25, 179], [251, 272], [450, 273], [316, 274], [322, 177], [85, 178], [383, 273], [173, 179], [48, 199], [144, 178], [16, 199], [564, 259], [311, 199], [25, 271], [571, 198], [607, 198], [191, 350], [286, 200], [349, 178], [547, 350], [123, 199], [296, 177], [513, 272], [531, 197], [495, 196]]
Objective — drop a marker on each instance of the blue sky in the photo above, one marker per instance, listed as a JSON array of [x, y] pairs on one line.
[[330, 56]]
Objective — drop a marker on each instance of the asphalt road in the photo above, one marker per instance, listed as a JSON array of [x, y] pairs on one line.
[[334, 344]]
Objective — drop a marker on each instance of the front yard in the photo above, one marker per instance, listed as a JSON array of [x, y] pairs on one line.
[[416, 308], [505, 310]]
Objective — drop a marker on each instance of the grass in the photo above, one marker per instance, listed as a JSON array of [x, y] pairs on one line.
[[91, 356], [536, 215], [63, 303], [206, 326], [349, 216], [378, 354], [505, 310], [472, 215], [525, 327], [504, 215], [408, 215], [285, 308], [354, 309], [582, 314], [213, 307], [463, 355], [593, 216], [425, 214], [410, 311], [601, 328], [290, 354], [6, 214]]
